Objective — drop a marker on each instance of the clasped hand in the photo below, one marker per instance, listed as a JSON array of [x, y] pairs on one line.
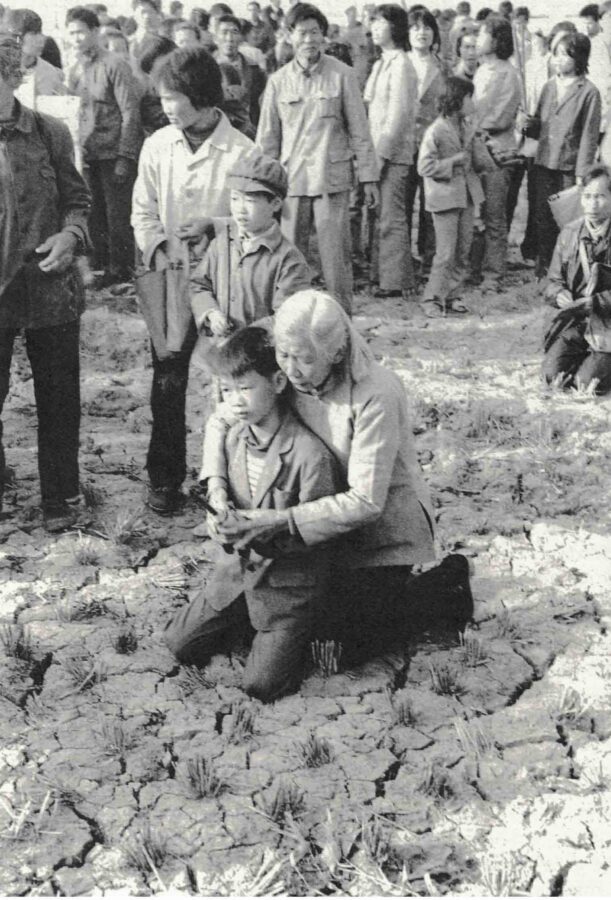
[[241, 527]]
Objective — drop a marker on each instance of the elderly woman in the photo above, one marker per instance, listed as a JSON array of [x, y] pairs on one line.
[[381, 521], [578, 344]]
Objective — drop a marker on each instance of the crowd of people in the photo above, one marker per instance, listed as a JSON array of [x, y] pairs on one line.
[[235, 167]]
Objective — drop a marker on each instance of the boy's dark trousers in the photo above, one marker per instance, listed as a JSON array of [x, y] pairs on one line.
[[166, 460], [54, 357], [276, 660], [109, 221]]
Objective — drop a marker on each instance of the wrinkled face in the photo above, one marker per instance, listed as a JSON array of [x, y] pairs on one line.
[[147, 18], [11, 65], [484, 43], [596, 200], [185, 38], [421, 37], [307, 40], [381, 32], [304, 366], [562, 62], [80, 37], [254, 213], [468, 48], [229, 39], [252, 397]]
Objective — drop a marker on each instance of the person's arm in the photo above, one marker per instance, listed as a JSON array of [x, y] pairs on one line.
[[430, 164], [557, 286], [358, 129], [201, 287], [497, 100], [145, 220], [397, 113], [590, 132], [269, 130], [127, 96]]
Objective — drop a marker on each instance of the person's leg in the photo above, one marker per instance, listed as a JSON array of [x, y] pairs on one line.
[[98, 230], [411, 186], [198, 631], [596, 366], [297, 223], [277, 658], [332, 221], [516, 174], [528, 247], [54, 357], [7, 338], [548, 182], [395, 258], [446, 237], [166, 461], [118, 198], [566, 355], [464, 240], [495, 184]]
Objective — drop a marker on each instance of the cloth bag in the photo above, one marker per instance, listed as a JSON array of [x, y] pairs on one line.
[[163, 298], [566, 205]]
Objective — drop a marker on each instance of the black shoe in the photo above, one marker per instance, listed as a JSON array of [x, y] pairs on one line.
[[382, 293], [164, 500], [441, 598], [62, 514]]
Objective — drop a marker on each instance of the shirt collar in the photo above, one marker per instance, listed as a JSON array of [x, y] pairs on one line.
[[271, 239], [597, 234], [307, 73], [391, 53], [23, 118], [220, 137]]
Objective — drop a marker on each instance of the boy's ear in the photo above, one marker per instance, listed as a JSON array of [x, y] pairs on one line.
[[279, 381], [276, 204]]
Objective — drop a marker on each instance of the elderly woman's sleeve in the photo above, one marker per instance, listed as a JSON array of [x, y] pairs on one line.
[[145, 220], [375, 445]]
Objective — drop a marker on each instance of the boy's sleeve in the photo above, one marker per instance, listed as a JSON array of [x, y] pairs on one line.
[[293, 275], [429, 163], [203, 287], [214, 460]]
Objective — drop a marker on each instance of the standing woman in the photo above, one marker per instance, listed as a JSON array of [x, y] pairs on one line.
[[391, 97], [567, 125], [424, 42], [497, 98]]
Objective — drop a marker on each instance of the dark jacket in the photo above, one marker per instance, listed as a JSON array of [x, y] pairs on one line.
[[110, 109], [298, 468], [42, 193], [568, 130]]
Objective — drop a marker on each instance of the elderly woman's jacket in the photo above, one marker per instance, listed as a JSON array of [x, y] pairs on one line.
[[383, 515], [567, 129]]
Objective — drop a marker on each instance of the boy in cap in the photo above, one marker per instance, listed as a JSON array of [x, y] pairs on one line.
[[250, 267], [273, 586]]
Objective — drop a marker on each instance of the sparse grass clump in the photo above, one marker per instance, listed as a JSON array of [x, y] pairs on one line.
[[242, 722], [126, 527], [315, 751], [84, 670], [506, 625], [86, 552], [202, 778], [16, 642], [93, 497], [192, 678], [472, 648], [126, 640], [437, 782], [402, 708], [146, 850], [474, 740], [445, 679], [69, 609], [115, 737], [326, 656], [573, 709], [284, 803], [376, 841]]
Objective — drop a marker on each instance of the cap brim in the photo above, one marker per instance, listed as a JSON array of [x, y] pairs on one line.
[[251, 186]]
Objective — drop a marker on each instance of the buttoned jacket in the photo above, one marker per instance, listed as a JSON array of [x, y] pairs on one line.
[[429, 90], [567, 128], [391, 96], [447, 186], [315, 123], [497, 98]]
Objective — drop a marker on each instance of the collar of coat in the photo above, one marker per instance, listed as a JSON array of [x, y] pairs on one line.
[[271, 239], [24, 118], [221, 137]]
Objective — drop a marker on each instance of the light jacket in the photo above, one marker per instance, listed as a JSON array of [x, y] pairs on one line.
[[391, 95], [314, 124], [447, 186], [285, 574], [175, 186], [246, 283], [497, 98], [41, 193], [429, 90], [568, 129]]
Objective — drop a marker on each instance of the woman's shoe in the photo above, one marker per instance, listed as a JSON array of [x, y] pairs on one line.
[[383, 294], [455, 306]]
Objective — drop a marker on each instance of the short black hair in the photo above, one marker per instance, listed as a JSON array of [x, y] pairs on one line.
[[591, 11], [301, 12], [451, 99], [22, 21], [340, 51], [523, 12], [230, 20], [186, 25], [466, 31], [156, 47], [578, 48], [154, 3], [84, 15], [421, 14], [397, 18], [249, 349], [501, 33], [505, 8], [463, 8], [598, 170], [194, 73], [199, 17], [482, 14], [175, 7], [220, 9], [564, 26]]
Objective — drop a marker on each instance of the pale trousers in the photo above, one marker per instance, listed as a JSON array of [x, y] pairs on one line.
[[496, 186], [330, 214], [392, 265], [453, 238]]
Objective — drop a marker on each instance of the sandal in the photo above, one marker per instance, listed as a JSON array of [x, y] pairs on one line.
[[455, 306], [432, 307]]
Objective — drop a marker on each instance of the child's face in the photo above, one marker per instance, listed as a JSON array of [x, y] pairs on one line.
[[253, 397], [468, 107], [563, 63], [596, 200], [254, 213]]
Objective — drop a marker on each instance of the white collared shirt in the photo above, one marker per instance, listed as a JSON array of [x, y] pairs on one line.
[[176, 185]]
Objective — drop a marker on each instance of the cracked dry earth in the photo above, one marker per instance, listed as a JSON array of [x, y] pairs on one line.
[[480, 765]]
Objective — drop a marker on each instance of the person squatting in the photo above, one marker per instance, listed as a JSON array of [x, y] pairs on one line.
[[247, 172]]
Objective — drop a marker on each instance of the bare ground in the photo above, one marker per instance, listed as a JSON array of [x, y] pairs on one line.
[[482, 766]]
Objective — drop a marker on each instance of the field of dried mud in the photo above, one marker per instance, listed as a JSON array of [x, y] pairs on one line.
[[482, 766]]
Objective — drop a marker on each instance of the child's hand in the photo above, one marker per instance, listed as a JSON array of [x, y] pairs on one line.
[[218, 323], [564, 300], [460, 159]]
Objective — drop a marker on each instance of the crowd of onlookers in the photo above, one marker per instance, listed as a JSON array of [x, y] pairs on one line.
[[234, 166]]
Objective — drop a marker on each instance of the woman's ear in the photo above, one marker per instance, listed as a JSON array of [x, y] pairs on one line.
[[338, 356], [279, 381]]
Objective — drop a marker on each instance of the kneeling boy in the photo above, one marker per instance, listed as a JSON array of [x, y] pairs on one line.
[[273, 462]]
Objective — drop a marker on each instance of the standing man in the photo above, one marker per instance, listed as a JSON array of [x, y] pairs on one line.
[[110, 138], [181, 178], [466, 53], [44, 204], [357, 37], [39, 76], [313, 120], [147, 17], [599, 65], [252, 79], [262, 34]]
